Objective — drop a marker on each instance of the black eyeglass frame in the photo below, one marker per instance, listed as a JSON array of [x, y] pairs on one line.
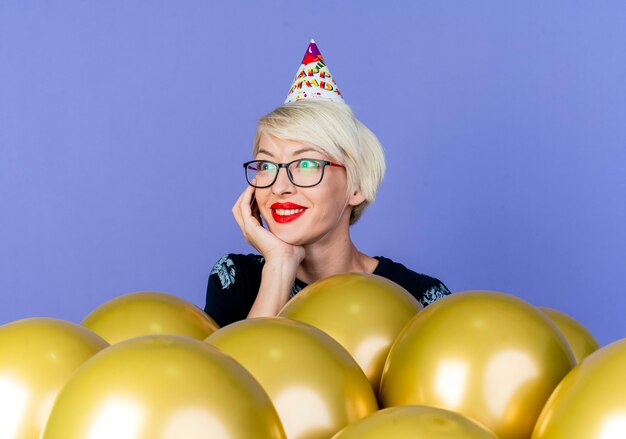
[[286, 166]]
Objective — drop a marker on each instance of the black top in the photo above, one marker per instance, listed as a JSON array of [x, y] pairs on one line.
[[235, 280]]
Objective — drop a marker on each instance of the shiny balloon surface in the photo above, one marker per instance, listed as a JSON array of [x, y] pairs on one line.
[[162, 387], [415, 422], [148, 313], [580, 340], [37, 357], [590, 402], [363, 312], [314, 383], [487, 355]]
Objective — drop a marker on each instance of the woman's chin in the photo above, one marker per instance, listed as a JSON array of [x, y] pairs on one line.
[[291, 240]]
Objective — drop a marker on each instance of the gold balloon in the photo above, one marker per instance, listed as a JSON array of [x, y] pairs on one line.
[[580, 340], [487, 355], [37, 357], [363, 312], [315, 385], [415, 422], [590, 402], [148, 313], [163, 387]]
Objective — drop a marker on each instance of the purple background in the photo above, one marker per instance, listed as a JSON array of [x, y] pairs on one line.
[[123, 126]]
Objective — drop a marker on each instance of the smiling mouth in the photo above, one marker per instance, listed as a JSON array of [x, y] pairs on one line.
[[286, 215]]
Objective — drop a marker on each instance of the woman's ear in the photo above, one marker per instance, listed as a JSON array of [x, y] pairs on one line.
[[356, 198]]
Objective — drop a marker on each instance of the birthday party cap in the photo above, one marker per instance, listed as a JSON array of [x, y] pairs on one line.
[[313, 79]]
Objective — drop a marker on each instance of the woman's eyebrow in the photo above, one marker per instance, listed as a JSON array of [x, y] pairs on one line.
[[302, 150], [262, 151], [296, 152]]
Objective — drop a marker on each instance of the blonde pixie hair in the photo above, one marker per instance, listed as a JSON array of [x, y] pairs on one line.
[[333, 129]]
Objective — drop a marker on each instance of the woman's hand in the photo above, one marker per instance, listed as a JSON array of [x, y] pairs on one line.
[[272, 248], [281, 259]]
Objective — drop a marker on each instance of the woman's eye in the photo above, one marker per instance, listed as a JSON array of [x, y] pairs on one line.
[[308, 164], [266, 166]]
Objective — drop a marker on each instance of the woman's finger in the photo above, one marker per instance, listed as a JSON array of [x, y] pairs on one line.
[[245, 207], [239, 207], [256, 212], [248, 223], [237, 210]]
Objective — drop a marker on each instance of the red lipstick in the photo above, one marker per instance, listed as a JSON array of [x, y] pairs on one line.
[[286, 212]]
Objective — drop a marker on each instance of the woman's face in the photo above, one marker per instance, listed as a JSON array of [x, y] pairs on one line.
[[302, 216]]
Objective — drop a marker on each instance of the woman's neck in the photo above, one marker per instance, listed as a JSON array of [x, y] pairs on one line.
[[337, 256]]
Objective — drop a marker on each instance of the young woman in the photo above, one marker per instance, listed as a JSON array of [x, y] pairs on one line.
[[316, 168]]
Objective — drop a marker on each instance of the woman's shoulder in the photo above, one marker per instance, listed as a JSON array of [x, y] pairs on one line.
[[424, 288], [232, 265], [232, 287], [240, 258]]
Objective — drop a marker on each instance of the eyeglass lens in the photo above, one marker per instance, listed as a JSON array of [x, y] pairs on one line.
[[306, 172]]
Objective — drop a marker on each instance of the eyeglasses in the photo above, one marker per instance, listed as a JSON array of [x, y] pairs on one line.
[[301, 172]]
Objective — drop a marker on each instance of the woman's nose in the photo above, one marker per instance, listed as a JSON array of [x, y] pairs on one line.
[[282, 185]]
